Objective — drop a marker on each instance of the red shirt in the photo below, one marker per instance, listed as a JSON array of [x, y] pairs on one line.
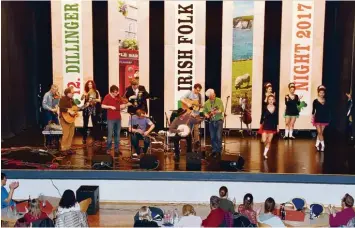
[[113, 101], [214, 219], [251, 214], [29, 218]]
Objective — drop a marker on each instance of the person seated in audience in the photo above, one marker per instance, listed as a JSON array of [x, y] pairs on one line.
[[68, 213], [225, 203], [246, 208], [34, 212], [268, 217], [351, 223], [145, 218], [6, 197], [216, 216], [345, 215], [189, 218]]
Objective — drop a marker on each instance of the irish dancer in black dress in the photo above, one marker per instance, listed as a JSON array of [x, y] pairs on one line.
[[269, 123], [268, 91], [292, 113], [320, 116]]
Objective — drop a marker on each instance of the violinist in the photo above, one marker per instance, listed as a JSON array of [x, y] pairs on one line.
[[138, 95], [92, 100], [50, 103]]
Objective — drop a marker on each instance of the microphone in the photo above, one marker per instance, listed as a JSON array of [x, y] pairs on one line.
[[228, 96]]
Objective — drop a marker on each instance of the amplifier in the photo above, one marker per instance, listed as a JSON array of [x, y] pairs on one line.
[[102, 162]]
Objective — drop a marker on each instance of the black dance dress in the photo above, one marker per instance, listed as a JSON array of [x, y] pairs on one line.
[[291, 106], [321, 113], [269, 121]]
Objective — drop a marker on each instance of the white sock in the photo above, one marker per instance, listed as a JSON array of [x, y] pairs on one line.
[[322, 143], [318, 141], [265, 151], [286, 132], [291, 131]]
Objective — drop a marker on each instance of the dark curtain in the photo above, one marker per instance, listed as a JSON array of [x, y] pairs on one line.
[[338, 58], [21, 62]]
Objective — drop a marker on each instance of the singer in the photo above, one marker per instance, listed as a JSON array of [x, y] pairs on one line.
[[137, 95]]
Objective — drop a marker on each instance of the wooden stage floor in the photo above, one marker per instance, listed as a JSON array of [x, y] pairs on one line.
[[286, 156]]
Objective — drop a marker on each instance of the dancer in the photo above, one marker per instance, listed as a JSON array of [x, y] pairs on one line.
[[269, 123], [292, 113], [268, 91], [92, 99], [320, 116]]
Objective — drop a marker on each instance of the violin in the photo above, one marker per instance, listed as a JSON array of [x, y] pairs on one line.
[[56, 95]]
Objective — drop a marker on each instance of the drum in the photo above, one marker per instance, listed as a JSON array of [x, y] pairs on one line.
[[184, 130]]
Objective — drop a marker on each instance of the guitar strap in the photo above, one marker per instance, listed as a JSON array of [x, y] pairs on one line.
[[199, 99]]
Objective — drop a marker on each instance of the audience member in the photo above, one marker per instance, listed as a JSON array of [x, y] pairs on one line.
[[6, 197], [216, 216], [34, 212], [225, 203], [345, 215], [268, 217], [145, 218], [246, 208], [69, 214], [189, 218]]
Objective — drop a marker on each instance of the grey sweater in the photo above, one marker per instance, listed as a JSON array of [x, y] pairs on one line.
[[185, 119]]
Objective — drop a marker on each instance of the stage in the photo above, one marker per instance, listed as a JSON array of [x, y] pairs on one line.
[[285, 157]]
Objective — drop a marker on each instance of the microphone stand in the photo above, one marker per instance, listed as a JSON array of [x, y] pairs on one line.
[[225, 132], [167, 129]]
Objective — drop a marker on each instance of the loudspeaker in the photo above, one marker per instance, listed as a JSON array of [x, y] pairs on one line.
[[149, 161], [102, 162], [193, 161], [232, 165], [86, 191]]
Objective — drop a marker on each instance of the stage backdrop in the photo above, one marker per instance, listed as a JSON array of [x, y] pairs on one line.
[[128, 31], [301, 54], [242, 58], [72, 45], [185, 36]]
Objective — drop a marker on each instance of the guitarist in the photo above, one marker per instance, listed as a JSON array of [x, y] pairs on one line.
[[194, 95], [213, 110], [140, 126], [65, 105]]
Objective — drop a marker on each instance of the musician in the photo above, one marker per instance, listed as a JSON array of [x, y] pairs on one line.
[[213, 110], [137, 93], [183, 118], [49, 103], [113, 103], [92, 99], [140, 126], [194, 95], [66, 102]]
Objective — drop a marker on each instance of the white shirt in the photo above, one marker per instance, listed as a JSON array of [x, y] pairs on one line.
[[189, 221]]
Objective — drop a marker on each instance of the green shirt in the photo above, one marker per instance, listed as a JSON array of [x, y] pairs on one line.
[[210, 105]]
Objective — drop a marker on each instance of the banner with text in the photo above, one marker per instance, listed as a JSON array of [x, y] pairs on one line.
[[128, 31], [185, 34], [242, 61], [72, 45], [301, 55]]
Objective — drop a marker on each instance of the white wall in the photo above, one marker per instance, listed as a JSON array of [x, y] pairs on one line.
[[187, 191]]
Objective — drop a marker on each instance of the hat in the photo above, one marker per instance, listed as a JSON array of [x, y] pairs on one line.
[[268, 84], [181, 111], [321, 87], [209, 92]]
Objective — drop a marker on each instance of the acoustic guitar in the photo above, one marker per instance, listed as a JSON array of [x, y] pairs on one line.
[[195, 106], [70, 118]]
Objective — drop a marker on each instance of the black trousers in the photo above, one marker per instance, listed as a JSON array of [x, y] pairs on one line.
[[177, 139], [95, 133]]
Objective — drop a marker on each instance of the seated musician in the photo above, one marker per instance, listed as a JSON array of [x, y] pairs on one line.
[[140, 127], [183, 118]]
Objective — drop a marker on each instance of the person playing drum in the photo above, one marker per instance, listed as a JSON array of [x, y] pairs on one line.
[[180, 126]]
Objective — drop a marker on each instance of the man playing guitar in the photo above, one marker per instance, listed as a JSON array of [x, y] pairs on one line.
[[192, 101], [183, 121], [213, 110], [140, 127]]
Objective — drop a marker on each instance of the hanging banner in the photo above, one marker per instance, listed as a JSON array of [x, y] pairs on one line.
[[128, 35], [242, 60], [72, 46], [185, 34], [301, 55]]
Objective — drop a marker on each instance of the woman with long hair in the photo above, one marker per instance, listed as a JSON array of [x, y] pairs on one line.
[[268, 217], [246, 208], [34, 212], [92, 98], [292, 100], [320, 116], [189, 218], [226, 204], [269, 123]]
